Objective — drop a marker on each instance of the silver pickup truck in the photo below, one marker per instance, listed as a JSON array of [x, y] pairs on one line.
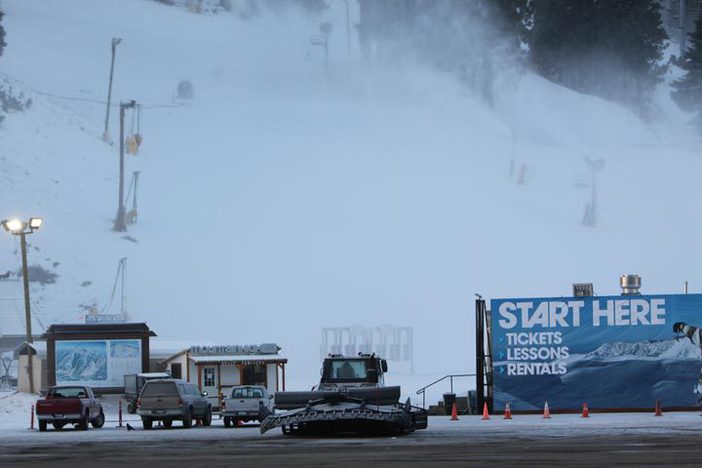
[[246, 403]]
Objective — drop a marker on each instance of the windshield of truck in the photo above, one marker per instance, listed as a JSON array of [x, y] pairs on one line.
[[347, 370], [159, 389], [247, 392], [67, 392]]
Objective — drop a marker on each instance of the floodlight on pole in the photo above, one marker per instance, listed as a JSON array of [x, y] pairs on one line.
[[22, 228], [13, 226], [35, 223]]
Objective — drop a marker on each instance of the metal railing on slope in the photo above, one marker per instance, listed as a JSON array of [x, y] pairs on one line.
[[422, 391]]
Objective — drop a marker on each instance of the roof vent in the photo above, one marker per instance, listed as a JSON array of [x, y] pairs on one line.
[[631, 284]]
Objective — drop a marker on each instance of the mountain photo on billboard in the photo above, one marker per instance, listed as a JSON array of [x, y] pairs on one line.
[[124, 349], [81, 361]]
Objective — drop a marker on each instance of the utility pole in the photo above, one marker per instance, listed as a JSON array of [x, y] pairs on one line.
[[514, 148], [27, 311], [120, 224], [590, 217], [106, 133], [348, 29]]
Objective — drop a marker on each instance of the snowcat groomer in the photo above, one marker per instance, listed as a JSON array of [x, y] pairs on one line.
[[350, 398]]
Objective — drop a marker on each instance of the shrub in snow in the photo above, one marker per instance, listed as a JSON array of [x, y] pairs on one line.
[[2, 34], [186, 90], [11, 100], [39, 274]]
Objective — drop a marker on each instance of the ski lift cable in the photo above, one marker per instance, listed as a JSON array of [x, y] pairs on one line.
[[98, 101], [108, 306], [135, 175], [38, 316], [132, 184], [131, 125]]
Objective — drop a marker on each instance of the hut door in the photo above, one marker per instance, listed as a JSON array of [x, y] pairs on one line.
[[209, 380]]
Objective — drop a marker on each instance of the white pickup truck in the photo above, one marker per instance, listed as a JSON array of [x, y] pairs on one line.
[[246, 403]]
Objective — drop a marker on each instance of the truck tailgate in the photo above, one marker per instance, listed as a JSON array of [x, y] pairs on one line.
[[156, 402], [59, 406]]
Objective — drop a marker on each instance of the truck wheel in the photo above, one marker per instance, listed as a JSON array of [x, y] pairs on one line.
[[58, 425], [131, 408], [188, 419], [227, 422], [42, 426], [84, 422], [207, 420], [147, 423], [99, 421], [167, 423]]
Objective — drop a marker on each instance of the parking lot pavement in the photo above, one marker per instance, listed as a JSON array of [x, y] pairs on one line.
[[562, 440]]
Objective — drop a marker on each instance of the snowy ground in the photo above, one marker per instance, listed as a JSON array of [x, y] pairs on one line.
[[15, 421]]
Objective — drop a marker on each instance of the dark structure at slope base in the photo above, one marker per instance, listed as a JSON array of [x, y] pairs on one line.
[[350, 399]]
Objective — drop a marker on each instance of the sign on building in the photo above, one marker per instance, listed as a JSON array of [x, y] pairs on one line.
[[105, 318], [609, 351]]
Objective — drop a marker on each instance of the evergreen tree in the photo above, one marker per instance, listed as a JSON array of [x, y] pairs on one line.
[[609, 48], [2, 34], [688, 89]]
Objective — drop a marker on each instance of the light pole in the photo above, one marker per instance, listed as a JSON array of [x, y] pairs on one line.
[[348, 29], [106, 134], [590, 217], [21, 228], [322, 39], [120, 224]]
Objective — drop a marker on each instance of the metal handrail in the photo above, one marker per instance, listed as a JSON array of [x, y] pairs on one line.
[[423, 390]]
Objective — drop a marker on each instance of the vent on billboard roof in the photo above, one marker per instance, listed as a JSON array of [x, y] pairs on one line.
[[583, 290], [631, 285]]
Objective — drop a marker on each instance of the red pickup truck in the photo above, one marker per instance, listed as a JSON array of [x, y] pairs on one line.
[[70, 405]]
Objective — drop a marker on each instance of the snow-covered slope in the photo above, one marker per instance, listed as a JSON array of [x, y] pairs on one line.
[[667, 349], [280, 200]]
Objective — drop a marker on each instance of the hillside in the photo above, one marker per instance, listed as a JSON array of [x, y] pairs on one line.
[[280, 200]]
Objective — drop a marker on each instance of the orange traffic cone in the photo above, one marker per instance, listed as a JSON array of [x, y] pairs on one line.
[[508, 412], [547, 412], [454, 412], [659, 411], [486, 416], [586, 411]]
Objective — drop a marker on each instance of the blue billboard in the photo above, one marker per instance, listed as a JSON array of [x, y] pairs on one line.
[[610, 352]]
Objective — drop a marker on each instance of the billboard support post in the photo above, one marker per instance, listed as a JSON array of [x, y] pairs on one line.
[[479, 352]]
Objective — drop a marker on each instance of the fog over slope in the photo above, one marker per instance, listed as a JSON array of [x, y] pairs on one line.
[[281, 200]]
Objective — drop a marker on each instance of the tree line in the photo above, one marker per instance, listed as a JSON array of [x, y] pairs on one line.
[[612, 49]]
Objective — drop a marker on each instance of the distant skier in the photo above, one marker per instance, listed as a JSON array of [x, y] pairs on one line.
[[695, 335]]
